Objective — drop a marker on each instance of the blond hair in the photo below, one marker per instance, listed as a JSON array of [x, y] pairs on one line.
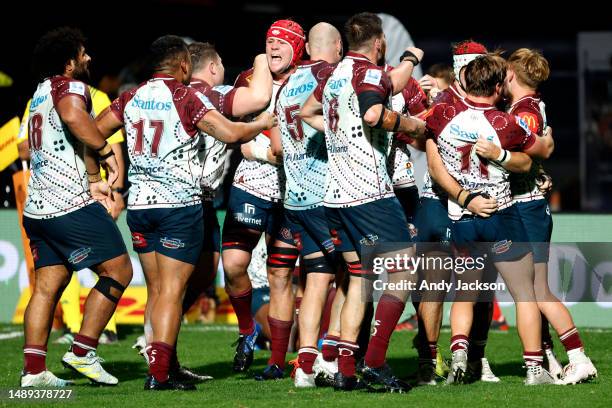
[[529, 66]]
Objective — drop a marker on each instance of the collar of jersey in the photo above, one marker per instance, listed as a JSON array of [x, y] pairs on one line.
[[477, 105], [357, 56], [198, 81], [533, 96], [164, 77], [308, 63]]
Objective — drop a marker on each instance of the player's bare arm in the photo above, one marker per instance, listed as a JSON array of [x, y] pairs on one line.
[[312, 113], [476, 203], [543, 146], [380, 117], [216, 125], [256, 96], [515, 162], [402, 73]]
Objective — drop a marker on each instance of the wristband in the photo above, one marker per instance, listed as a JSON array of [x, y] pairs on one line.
[[94, 178], [104, 150], [409, 56], [469, 199], [398, 119], [504, 156]]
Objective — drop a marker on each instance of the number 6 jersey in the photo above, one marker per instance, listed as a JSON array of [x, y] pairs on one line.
[[160, 119]]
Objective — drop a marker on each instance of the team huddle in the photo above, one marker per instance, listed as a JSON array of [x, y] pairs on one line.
[[326, 178]]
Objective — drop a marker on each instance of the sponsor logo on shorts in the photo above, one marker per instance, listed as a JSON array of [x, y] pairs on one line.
[[369, 240], [138, 240], [502, 246], [172, 243], [79, 255], [285, 233], [249, 209], [329, 245], [246, 216]]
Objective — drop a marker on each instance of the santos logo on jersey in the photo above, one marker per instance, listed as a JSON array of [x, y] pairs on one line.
[[461, 134], [151, 104], [308, 87]]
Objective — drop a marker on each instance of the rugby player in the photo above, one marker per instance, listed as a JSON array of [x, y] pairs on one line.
[[356, 102], [255, 207], [502, 230], [65, 216], [305, 163], [163, 118]]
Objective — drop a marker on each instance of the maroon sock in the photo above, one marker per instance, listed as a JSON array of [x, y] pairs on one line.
[[306, 358], [388, 313], [330, 348], [432, 352], [280, 331], [242, 306], [34, 359], [159, 360], [459, 342], [533, 358], [346, 357], [81, 345], [571, 339]]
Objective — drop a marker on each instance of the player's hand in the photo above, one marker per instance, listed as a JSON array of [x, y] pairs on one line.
[[544, 183], [483, 206], [417, 52], [118, 205], [487, 149], [246, 151], [427, 83], [267, 119], [102, 193], [112, 169], [260, 59]]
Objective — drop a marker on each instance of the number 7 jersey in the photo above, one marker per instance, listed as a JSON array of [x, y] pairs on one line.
[[160, 119]]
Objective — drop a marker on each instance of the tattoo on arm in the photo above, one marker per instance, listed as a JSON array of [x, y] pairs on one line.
[[208, 127]]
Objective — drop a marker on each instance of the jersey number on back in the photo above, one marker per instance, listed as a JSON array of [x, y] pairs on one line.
[[35, 131], [158, 126], [466, 152]]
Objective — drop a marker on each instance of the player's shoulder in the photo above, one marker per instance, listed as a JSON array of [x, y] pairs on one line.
[[528, 109], [61, 84], [244, 78]]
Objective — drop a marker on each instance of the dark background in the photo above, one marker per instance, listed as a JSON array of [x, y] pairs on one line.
[[120, 32]]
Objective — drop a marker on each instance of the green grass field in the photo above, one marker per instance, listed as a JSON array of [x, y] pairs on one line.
[[207, 349]]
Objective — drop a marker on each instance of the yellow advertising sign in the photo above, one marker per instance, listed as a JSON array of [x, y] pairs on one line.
[[8, 142]]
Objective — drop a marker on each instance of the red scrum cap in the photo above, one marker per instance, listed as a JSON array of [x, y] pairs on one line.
[[466, 52], [291, 33]]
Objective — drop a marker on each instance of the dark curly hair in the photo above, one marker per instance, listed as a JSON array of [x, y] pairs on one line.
[[166, 49], [55, 49]]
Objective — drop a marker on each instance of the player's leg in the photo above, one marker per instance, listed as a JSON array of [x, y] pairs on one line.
[[513, 259], [71, 310], [465, 244], [246, 219], [49, 282], [282, 257]]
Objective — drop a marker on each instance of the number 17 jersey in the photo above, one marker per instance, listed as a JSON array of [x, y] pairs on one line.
[[160, 119]]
